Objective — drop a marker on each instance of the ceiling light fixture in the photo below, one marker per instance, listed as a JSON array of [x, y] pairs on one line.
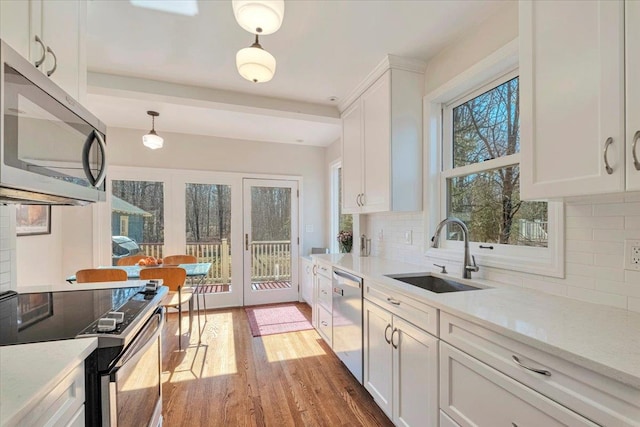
[[152, 139], [259, 16], [255, 64]]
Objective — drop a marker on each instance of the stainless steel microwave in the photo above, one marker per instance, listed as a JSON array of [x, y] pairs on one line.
[[52, 149]]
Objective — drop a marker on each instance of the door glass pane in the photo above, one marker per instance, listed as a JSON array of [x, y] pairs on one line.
[[137, 219], [270, 238], [208, 231]]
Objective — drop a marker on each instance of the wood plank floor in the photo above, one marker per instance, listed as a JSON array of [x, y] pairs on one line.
[[233, 379]]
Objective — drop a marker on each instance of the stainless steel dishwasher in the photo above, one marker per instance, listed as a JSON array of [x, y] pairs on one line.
[[347, 321]]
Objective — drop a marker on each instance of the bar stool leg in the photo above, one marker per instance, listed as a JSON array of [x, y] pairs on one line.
[[179, 321]]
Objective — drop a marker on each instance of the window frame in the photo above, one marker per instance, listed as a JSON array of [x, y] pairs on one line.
[[498, 68]]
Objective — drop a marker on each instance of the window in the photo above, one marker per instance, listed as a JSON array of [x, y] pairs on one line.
[[339, 221], [483, 176], [479, 175]]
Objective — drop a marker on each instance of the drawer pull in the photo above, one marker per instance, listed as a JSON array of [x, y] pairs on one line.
[[607, 143], [537, 371], [324, 323], [514, 425], [385, 334], [393, 344], [393, 301]]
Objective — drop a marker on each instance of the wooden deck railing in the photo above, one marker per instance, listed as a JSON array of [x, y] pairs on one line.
[[270, 260]]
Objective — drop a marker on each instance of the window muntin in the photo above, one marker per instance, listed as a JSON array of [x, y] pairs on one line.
[[481, 175]]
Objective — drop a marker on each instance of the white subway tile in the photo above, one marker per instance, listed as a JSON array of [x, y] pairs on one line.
[[620, 288], [578, 210], [634, 304], [632, 197], [632, 222], [579, 234], [609, 260], [615, 235], [614, 209], [597, 297], [545, 286], [595, 247], [579, 258], [607, 222], [631, 276]]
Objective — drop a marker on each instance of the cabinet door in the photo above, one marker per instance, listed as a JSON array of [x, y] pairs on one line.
[[61, 22], [14, 25], [378, 355], [352, 158], [376, 105], [415, 376], [306, 280], [632, 43], [571, 97], [474, 394], [314, 304]]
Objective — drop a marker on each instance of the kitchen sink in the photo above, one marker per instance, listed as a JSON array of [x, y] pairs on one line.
[[433, 283]]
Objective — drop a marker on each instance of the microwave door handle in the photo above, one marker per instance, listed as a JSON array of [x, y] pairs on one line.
[[103, 167], [86, 150]]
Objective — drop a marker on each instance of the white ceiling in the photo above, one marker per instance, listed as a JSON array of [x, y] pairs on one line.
[[324, 48]]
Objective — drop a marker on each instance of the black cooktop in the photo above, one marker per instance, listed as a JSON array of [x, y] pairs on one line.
[[47, 316]]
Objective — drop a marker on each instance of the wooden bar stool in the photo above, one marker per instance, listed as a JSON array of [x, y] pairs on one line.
[[188, 259], [92, 275], [130, 260]]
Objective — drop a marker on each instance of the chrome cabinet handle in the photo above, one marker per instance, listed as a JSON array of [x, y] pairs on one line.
[[358, 199], [606, 161], [315, 269], [324, 323], [537, 371], [393, 344], [385, 334], [363, 200], [636, 163], [39, 62], [55, 62], [393, 301]]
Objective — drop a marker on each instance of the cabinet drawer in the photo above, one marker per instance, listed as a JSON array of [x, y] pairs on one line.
[[420, 314], [324, 292], [474, 394], [325, 325], [59, 406], [324, 270], [601, 399]]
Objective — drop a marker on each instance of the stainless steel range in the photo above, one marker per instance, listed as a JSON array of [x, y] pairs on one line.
[[122, 376]]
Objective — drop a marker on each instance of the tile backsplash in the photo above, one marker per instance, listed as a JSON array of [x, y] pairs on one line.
[[7, 248], [595, 230]]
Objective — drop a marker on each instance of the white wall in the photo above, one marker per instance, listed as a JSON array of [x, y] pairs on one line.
[[595, 227], [332, 154]]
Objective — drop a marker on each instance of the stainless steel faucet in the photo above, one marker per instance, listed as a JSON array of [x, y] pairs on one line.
[[469, 263]]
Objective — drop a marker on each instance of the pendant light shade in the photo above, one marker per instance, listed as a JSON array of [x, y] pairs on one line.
[[255, 64], [259, 16], [152, 139]]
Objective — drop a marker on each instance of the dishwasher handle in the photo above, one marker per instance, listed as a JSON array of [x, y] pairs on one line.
[[347, 279]]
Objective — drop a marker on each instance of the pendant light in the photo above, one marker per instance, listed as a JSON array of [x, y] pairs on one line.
[[255, 64], [259, 16], [152, 139]]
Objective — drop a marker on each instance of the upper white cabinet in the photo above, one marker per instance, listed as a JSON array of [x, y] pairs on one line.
[[382, 142], [51, 34], [572, 69], [632, 63]]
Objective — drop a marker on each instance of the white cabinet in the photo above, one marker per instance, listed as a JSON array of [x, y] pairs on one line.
[[572, 97], [632, 64], [473, 394], [400, 367], [60, 26], [306, 280], [382, 145], [322, 319]]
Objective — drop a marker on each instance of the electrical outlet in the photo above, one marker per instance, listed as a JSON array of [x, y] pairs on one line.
[[632, 255], [408, 237]]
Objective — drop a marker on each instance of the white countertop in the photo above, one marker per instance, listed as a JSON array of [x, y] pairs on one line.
[[601, 338], [29, 371], [61, 287]]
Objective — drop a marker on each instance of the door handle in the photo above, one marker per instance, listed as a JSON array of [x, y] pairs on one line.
[[393, 344], [55, 62], [636, 163], [385, 334], [246, 241], [86, 149], [39, 62]]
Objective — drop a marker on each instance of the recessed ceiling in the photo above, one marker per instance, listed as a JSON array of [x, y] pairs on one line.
[[323, 49]]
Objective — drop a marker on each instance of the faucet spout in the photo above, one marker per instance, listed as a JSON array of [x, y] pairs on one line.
[[469, 263]]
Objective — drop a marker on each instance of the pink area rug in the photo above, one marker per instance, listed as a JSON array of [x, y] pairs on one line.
[[276, 319]]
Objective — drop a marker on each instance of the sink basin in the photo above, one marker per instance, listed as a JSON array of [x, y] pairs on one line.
[[432, 283]]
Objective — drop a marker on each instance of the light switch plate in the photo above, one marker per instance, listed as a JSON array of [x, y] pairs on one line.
[[308, 228], [632, 255], [408, 237]]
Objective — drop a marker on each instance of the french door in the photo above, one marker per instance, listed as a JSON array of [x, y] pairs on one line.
[[270, 241]]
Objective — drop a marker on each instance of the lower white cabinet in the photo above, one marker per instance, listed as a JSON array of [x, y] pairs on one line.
[[474, 394], [400, 367], [306, 280]]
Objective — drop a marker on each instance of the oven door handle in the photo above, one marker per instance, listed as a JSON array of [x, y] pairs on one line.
[[138, 348]]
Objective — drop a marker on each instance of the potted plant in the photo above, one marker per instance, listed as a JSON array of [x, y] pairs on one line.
[[345, 240]]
